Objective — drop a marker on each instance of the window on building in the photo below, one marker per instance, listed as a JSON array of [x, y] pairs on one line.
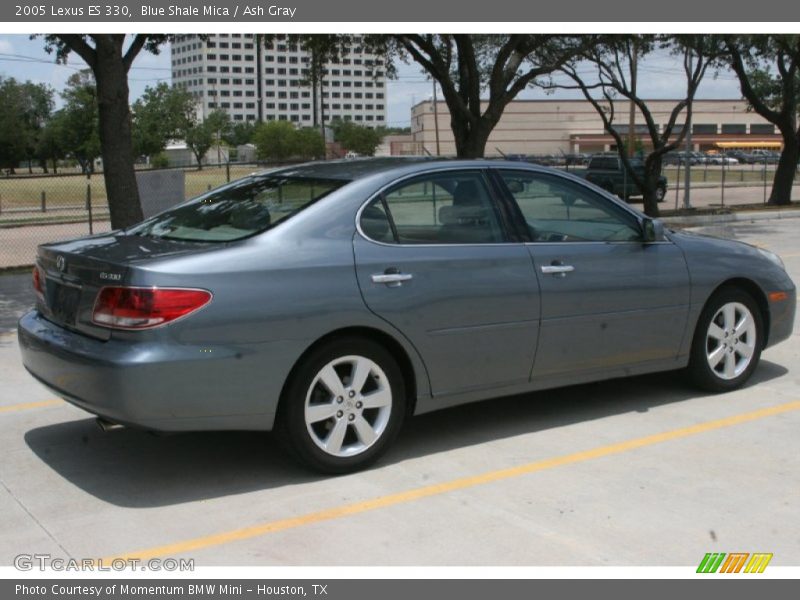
[[762, 129], [707, 128], [734, 128]]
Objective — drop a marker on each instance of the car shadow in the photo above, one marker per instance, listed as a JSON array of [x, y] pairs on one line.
[[133, 468]]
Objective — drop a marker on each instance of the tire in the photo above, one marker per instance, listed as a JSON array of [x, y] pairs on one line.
[[332, 427], [661, 193], [729, 329]]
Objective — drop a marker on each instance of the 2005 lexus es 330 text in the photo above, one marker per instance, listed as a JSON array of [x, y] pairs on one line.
[[329, 301]]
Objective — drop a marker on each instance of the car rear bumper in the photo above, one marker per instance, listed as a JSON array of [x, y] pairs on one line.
[[152, 385]]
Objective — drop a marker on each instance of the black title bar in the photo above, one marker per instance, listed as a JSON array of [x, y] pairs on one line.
[[450, 11]]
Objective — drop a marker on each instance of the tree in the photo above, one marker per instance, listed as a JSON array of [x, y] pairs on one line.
[[77, 123], [51, 146], [356, 138], [468, 66], [768, 69], [275, 141], [309, 144], [201, 135], [160, 115], [614, 65], [26, 108], [110, 60], [239, 133]]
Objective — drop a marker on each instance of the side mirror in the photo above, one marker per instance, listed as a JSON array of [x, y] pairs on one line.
[[652, 230]]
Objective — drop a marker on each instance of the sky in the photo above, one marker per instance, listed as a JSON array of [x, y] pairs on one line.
[[25, 59]]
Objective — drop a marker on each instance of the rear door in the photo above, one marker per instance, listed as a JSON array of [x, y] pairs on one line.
[[435, 259], [608, 299]]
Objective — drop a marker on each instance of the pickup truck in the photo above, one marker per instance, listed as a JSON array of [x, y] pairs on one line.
[[608, 172]]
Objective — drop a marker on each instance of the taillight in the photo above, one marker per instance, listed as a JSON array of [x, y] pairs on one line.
[[38, 282], [140, 308]]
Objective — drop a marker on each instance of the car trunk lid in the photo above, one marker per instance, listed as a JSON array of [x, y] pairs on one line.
[[74, 272]]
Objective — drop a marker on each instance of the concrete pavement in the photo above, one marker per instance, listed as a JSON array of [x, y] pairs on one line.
[[643, 471]]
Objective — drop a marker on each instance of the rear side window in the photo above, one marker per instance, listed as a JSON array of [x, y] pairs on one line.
[[441, 208], [238, 210]]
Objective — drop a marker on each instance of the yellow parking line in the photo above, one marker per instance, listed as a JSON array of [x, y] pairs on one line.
[[448, 486], [29, 405]]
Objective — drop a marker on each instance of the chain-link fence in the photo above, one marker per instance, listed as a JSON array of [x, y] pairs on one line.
[[40, 208], [717, 182]]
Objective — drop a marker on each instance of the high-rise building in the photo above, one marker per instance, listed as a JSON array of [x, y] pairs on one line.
[[224, 71]]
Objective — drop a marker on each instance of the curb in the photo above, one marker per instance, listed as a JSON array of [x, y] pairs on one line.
[[734, 217]]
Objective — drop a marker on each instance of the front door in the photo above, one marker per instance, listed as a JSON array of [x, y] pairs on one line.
[[608, 299]]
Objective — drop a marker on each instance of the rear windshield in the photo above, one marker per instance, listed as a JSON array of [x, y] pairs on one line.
[[238, 210]]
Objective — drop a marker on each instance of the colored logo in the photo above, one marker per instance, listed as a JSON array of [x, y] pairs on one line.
[[734, 562]]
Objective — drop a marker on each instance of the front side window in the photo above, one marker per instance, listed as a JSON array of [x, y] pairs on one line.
[[559, 210], [440, 208], [238, 210]]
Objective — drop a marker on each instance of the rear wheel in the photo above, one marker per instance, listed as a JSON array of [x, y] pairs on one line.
[[344, 406], [727, 342]]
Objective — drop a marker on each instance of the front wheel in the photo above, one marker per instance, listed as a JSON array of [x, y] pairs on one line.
[[727, 342], [344, 406]]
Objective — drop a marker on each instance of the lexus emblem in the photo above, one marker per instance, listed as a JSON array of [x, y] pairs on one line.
[[61, 264]]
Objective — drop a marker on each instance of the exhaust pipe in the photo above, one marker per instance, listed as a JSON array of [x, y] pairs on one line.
[[107, 425]]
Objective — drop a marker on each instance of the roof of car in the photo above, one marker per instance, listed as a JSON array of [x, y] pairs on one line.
[[349, 168], [352, 169]]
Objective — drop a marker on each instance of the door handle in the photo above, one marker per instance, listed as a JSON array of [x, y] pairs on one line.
[[392, 279], [558, 269]]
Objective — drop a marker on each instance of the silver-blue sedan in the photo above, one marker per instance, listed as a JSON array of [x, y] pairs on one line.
[[329, 301]]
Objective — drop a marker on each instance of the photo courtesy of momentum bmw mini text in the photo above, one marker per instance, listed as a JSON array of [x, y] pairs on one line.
[[366, 300]]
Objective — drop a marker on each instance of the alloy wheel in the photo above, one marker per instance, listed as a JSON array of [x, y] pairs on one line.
[[731, 340], [347, 406]]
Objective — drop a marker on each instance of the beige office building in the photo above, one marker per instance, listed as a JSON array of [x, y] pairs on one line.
[[568, 126]]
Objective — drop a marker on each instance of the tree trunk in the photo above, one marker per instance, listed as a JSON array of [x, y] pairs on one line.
[[650, 187], [781, 194], [471, 141], [115, 136]]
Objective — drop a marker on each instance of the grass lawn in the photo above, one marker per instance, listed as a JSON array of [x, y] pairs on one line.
[[71, 190]]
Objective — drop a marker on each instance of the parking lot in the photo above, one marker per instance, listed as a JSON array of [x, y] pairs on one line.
[[644, 471]]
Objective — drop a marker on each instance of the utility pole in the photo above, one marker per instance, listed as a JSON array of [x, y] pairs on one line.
[[314, 74], [259, 78], [322, 109], [687, 182], [436, 118], [632, 112]]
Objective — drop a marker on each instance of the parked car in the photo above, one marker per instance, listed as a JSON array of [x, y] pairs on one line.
[[768, 156], [720, 159], [329, 301], [608, 172], [741, 156]]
